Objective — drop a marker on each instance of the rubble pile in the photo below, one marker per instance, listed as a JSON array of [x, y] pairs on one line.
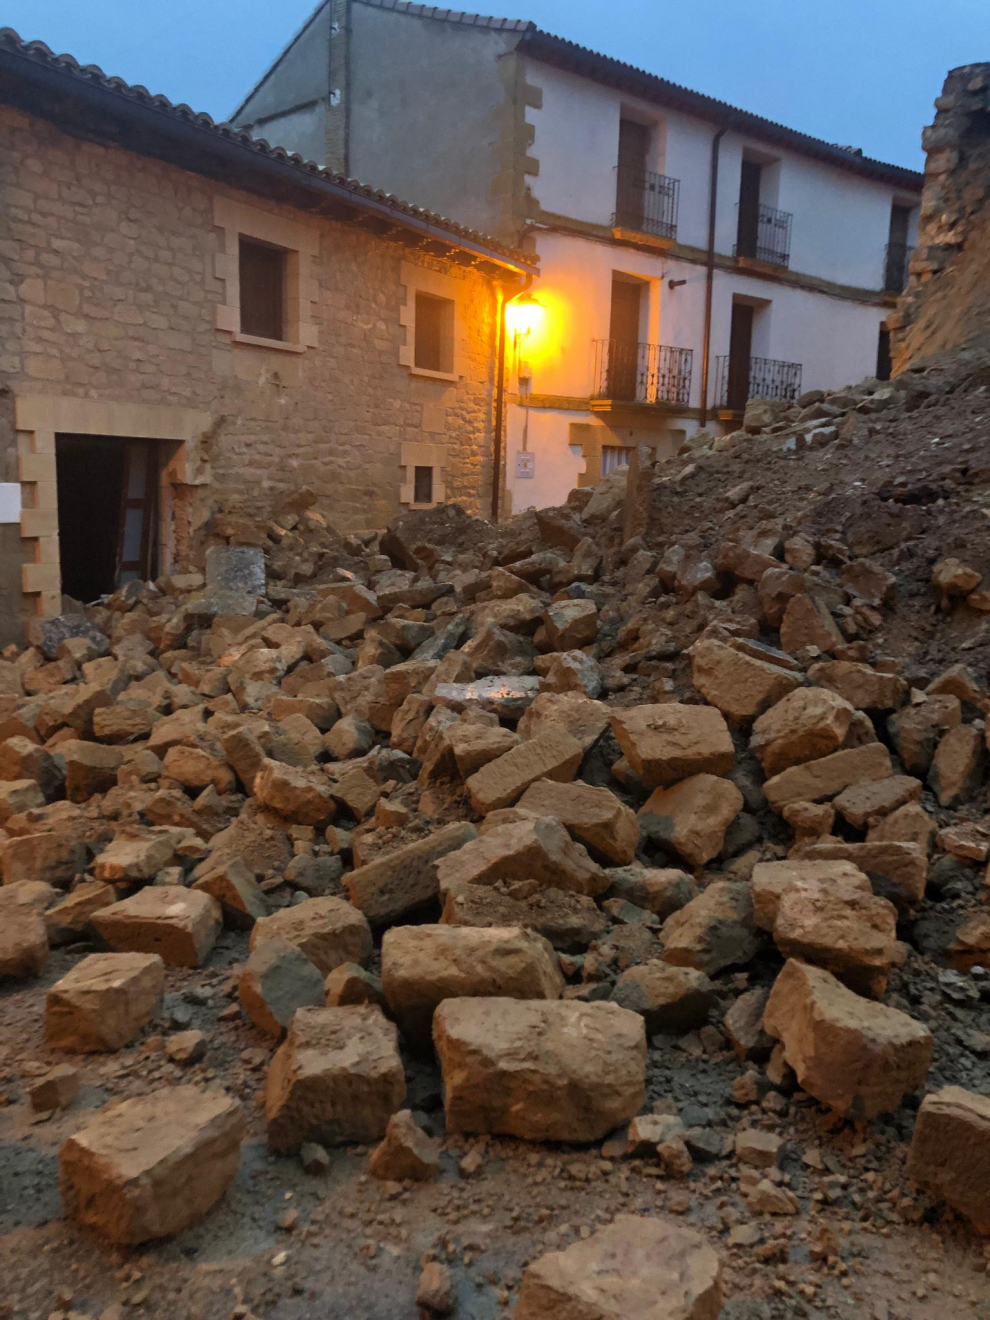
[[546, 812]]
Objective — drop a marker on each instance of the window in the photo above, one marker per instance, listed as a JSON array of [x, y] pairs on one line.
[[614, 456], [261, 270], [434, 342], [423, 485]]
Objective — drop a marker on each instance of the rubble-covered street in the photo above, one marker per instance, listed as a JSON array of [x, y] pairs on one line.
[[384, 916]]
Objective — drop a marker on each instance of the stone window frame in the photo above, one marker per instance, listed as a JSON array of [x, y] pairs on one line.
[[301, 243], [437, 284], [39, 418], [414, 454]]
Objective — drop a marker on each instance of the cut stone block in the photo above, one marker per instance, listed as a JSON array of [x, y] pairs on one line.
[[423, 965], [398, 883], [772, 880], [950, 1152], [241, 898], [104, 1002], [816, 781], [177, 923], [570, 922], [538, 849], [857, 1057], [691, 817], [553, 755], [23, 941], [838, 926], [72, 918], [337, 1077], [550, 1070], [329, 931], [806, 725], [897, 871], [606, 827], [740, 686], [668, 742], [408, 1154], [153, 1166], [302, 796]]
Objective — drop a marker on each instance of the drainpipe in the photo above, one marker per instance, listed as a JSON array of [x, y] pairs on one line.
[[706, 347], [498, 424]]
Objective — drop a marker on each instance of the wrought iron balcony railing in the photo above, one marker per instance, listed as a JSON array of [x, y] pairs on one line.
[[768, 378], [642, 373], [895, 266], [646, 202], [765, 235]]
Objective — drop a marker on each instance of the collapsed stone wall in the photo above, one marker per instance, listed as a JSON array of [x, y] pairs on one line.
[[946, 305]]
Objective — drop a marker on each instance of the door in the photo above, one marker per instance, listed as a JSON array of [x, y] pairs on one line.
[[630, 178], [748, 234], [895, 270], [623, 334], [137, 537], [740, 353]]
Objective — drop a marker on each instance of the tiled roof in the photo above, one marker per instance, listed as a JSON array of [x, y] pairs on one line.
[[650, 87], [29, 55]]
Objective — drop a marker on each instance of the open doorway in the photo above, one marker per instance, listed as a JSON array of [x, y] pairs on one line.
[[107, 512]]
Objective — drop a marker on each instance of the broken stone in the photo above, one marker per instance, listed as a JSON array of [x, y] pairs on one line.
[[838, 926], [56, 1090], [807, 622], [337, 1077], [276, 980], [915, 730], [862, 687], [71, 919], [669, 999], [570, 922], [635, 1268], [897, 871], [861, 804], [351, 984], [584, 719], [179, 924], [660, 890], [571, 624], [739, 685], [759, 1150], [949, 1152], [829, 775], [234, 887], [691, 818], [713, 931], [400, 882], [606, 827], [302, 796], [328, 931], [772, 880], [548, 1070], [858, 1057], [152, 1166], [669, 742], [423, 965], [743, 1024], [806, 725], [407, 1153], [186, 1047], [104, 1002], [136, 859], [23, 941], [957, 766], [537, 849], [554, 755]]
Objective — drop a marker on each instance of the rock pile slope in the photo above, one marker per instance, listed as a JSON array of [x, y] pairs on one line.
[[622, 862]]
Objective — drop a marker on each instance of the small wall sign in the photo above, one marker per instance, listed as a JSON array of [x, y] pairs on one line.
[[525, 465], [10, 501]]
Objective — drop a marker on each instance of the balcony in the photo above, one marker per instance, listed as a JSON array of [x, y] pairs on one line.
[[768, 379], [896, 257], [646, 202], [764, 234], [654, 375]]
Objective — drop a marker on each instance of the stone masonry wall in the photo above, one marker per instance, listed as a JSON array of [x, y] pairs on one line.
[[947, 301], [108, 291]]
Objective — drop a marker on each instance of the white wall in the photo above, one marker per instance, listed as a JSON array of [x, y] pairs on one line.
[[841, 220]]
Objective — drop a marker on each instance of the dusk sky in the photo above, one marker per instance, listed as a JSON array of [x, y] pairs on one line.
[[859, 72]]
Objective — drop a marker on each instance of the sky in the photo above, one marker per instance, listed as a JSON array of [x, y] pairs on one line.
[[862, 73]]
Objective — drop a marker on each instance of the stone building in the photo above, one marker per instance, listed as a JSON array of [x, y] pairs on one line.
[[946, 304], [692, 254], [192, 319]]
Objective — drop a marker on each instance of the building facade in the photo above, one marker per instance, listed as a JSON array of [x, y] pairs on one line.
[[691, 255], [192, 321]]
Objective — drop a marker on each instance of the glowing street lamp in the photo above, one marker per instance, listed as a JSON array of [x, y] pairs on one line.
[[523, 315]]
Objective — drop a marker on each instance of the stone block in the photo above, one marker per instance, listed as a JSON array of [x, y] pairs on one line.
[[104, 1002], [329, 931], [669, 742], [179, 924]]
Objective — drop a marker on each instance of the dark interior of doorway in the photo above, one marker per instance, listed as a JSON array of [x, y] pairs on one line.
[[107, 489]]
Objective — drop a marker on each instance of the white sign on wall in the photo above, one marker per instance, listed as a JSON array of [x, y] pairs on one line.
[[10, 501], [525, 464]]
